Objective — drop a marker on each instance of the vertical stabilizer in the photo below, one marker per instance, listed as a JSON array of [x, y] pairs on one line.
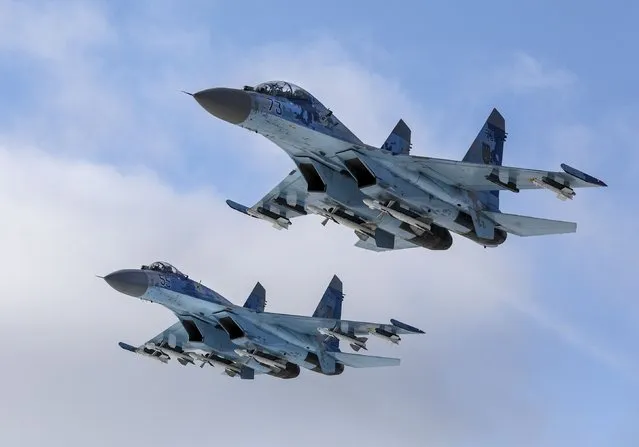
[[398, 142], [488, 149], [330, 306], [257, 299]]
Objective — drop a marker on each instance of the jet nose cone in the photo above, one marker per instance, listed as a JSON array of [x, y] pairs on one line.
[[227, 104], [130, 282]]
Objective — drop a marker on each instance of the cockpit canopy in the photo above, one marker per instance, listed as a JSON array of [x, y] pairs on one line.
[[165, 267], [286, 90]]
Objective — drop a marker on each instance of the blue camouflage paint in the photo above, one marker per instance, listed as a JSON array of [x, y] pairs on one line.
[[212, 330], [391, 200]]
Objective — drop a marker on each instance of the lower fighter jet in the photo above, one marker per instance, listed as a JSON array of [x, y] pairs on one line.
[[245, 340]]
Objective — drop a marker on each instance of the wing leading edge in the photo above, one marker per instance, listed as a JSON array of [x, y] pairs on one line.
[[310, 325], [283, 203]]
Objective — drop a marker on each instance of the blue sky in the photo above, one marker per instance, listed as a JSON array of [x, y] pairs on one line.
[[106, 165]]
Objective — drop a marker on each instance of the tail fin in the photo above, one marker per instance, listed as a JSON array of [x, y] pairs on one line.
[[330, 306], [488, 149], [398, 142], [257, 299]]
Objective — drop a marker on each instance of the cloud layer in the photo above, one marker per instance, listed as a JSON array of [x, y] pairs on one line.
[[105, 166]]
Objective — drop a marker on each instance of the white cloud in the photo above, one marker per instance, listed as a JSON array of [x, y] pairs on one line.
[[27, 28], [528, 74], [70, 220]]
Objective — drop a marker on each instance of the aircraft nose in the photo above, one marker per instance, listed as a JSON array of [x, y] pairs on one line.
[[227, 104], [130, 282]]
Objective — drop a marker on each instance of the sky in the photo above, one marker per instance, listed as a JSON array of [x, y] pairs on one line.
[[104, 165]]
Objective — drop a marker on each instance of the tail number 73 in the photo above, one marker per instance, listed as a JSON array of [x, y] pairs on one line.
[[277, 104]]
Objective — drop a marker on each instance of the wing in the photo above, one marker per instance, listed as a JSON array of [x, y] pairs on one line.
[[283, 203], [310, 325], [175, 335], [184, 342], [481, 177]]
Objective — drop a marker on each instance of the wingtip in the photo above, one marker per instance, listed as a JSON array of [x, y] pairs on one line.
[[406, 327], [186, 93], [582, 175]]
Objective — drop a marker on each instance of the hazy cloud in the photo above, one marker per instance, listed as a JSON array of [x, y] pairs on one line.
[[88, 192], [527, 74]]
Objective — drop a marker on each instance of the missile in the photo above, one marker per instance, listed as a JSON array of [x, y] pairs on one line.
[[375, 205], [276, 222], [387, 336], [356, 343], [261, 359], [214, 361], [170, 352], [563, 192], [339, 219], [141, 351]]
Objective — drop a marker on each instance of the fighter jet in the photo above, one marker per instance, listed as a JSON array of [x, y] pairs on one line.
[[246, 340], [390, 198]]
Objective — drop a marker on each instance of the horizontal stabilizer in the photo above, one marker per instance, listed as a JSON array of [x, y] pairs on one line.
[[530, 226], [363, 361]]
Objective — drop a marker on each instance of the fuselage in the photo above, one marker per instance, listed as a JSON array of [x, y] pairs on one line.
[[321, 146]]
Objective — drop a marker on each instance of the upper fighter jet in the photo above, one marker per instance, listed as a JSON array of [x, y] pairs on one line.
[[392, 199], [245, 340]]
